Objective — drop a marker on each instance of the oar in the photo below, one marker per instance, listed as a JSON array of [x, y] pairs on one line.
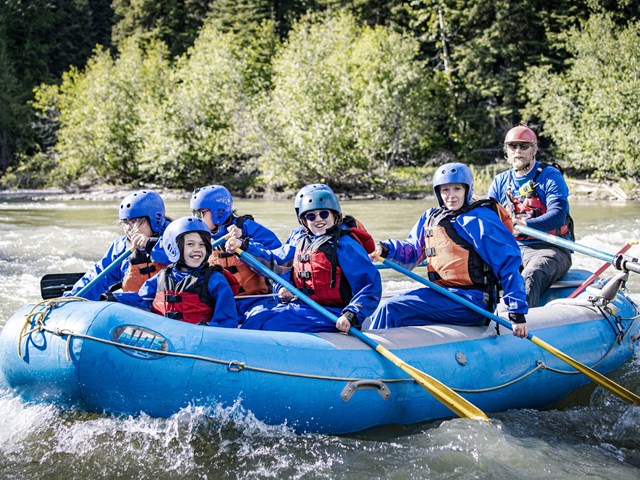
[[598, 272], [89, 286], [53, 285], [589, 372], [456, 403], [621, 263]]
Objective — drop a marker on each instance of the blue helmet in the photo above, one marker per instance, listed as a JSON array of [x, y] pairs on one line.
[[144, 203], [177, 229], [215, 198], [319, 199], [306, 189], [453, 173]]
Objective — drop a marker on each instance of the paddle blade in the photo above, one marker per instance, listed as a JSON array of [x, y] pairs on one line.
[[53, 285], [591, 373], [450, 399]]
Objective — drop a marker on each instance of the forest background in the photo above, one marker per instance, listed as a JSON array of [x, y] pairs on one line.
[[268, 95]]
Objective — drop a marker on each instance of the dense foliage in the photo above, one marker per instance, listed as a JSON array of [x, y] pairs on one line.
[[263, 94]]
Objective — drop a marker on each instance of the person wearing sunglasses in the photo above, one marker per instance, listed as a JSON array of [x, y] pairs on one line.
[[213, 204], [142, 219], [537, 196], [469, 250], [326, 262]]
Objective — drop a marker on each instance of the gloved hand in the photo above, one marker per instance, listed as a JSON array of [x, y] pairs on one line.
[[380, 253], [519, 324], [108, 297]]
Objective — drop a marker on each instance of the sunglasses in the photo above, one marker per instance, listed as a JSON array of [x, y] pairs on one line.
[[200, 213], [323, 214], [524, 146]]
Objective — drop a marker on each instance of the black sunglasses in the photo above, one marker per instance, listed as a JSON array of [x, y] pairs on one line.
[[324, 214], [521, 145]]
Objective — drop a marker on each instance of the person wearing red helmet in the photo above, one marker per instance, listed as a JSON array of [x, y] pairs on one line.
[[537, 196]]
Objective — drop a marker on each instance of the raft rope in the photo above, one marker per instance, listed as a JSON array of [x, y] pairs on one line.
[[38, 317]]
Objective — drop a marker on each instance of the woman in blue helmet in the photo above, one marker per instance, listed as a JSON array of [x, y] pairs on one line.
[[327, 263], [214, 205], [468, 249], [189, 290], [142, 218]]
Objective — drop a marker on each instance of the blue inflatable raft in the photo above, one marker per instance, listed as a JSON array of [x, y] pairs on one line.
[[108, 357]]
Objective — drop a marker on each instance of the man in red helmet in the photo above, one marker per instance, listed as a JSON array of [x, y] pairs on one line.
[[537, 196]]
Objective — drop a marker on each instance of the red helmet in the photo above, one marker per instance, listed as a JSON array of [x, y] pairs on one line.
[[521, 134]]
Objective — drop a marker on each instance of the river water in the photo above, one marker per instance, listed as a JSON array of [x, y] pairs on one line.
[[591, 435]]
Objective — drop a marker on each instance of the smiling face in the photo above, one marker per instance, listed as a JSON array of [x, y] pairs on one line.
[[453, 195], [194, 251], [319, 221]]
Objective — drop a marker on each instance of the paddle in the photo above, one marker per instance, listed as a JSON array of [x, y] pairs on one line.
[[53, 285], [87, 288], [621, 262], [589, 372], [598, 272], [456, 403]]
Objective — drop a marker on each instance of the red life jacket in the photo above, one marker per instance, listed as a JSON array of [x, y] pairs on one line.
[[528, 204], [317, 271], [187, 300], [452, 261], [247, 281], [141, 268]]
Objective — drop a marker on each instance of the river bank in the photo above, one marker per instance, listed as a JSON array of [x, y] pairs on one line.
[[580, 189]]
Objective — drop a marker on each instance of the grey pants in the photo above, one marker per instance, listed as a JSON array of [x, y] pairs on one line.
[[543, 265]]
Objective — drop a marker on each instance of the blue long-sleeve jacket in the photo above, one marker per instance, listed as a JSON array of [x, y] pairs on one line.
[[362, 275], [552, 190], [224, 313], [482, 228]]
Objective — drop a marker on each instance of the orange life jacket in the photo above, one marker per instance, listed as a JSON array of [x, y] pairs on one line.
[[141, 268]]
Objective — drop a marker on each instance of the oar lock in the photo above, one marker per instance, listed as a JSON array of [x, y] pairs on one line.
[[601, 294]]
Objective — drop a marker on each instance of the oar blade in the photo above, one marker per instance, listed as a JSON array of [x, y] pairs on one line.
[[450, 399], [53, 285], [589, 372]]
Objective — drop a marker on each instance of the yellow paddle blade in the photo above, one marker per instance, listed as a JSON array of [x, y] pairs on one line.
[[590, 372], [456, 403]]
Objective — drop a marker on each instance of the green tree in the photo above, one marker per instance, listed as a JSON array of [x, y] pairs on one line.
[[592, 110], [198, 134], [174, 22], [348, 103]]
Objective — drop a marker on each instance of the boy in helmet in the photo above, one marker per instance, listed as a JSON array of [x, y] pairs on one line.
[[468, 251], [537, 196], [214, 205], [189, 290], [142, 218], [327, 263]]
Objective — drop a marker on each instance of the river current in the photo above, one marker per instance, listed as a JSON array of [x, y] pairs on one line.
[[590, 435]]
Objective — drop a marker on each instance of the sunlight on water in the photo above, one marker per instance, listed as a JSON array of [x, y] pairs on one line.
[[594, 436]]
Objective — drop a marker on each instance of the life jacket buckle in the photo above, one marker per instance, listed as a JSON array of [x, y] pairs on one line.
[[171, 298], [304, 257], [304, 275], [174, 315], [148, 269]]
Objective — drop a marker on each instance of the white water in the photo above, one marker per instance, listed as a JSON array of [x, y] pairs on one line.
[[593, 435]]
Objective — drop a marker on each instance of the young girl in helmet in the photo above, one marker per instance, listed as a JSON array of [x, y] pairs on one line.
[[327, 263], [189, 290], [468, 250], [142, 217], [214, 205]]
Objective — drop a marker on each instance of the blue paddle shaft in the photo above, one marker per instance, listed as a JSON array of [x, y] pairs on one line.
[[248, 258], [89, 286], [451, 295]]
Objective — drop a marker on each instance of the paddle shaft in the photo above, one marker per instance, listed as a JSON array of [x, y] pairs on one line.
[[589, 372], [456, 403], [630, 264], [597, 273], [89, 286]]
